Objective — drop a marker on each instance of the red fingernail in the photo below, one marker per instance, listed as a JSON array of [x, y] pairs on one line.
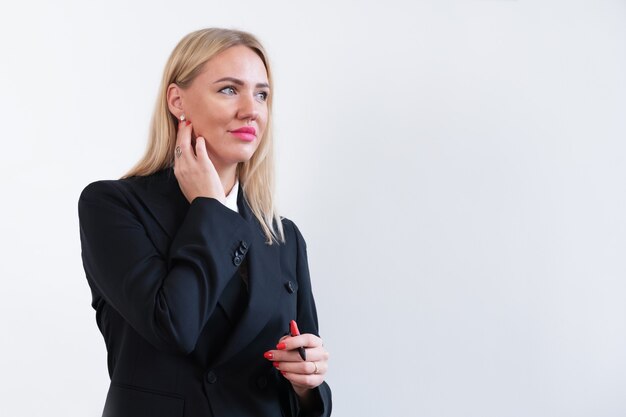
[[283, 372], [276, 364], [293, 328], [281, 346], [268, 355], [187, 122]]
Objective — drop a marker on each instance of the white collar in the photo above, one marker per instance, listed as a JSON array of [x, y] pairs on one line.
[[231, 198]]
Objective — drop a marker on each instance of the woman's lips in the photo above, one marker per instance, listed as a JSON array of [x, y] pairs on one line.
[[247, 133]]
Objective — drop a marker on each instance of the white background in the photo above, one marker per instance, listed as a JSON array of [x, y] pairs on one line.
[[457, 168]]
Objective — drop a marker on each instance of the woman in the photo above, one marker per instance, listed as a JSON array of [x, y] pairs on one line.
[[194, 276]]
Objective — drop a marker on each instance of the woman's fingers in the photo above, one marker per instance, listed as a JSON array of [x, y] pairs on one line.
[[312, 354], [183, 141], [202, 154], [305, 374], [306, 340], [194, 170], [287, 349], [302, 374], [303, 368]]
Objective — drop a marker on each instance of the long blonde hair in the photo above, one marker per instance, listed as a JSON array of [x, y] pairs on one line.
[[256, 176]]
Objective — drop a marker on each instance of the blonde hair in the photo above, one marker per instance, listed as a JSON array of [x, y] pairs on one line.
[[256, 176]]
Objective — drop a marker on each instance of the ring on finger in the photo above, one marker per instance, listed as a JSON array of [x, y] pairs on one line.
[[316, 371], [178, 152]]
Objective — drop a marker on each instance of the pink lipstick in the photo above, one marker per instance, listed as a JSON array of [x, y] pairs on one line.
[[247, 133]]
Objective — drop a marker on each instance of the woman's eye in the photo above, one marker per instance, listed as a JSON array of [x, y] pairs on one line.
[[262, 95], [228, 90]]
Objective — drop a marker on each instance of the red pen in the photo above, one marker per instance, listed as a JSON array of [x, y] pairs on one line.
[[293, 331]]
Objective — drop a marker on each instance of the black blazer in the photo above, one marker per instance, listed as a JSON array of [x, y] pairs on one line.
[[185, 332]]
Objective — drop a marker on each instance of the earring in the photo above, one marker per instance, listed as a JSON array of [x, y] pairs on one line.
[[182, 117]]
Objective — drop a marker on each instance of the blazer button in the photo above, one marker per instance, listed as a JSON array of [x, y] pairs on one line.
[[244, 245], [237, 260], [211, 378], [290, 287]]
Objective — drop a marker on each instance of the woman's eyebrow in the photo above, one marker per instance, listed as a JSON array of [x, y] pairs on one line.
[[239, 82]]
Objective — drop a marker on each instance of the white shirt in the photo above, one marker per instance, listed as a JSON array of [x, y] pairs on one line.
[[231, 198]]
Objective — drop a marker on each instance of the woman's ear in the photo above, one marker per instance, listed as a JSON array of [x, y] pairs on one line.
[[175, 100]]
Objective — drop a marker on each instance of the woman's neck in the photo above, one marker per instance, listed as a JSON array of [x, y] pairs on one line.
[[228, 176]]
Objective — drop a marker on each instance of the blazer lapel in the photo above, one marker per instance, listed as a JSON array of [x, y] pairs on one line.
[[162, 197], [264, 286]]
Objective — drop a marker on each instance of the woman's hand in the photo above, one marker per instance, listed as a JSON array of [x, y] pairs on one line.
[[303, 375], [194, 171]]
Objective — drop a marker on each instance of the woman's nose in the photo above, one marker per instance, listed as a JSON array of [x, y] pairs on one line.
[[248, 108]]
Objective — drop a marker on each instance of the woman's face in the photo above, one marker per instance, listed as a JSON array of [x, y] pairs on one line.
[[229, 94]]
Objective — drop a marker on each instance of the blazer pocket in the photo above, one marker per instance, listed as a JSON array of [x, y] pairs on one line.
[[129, 401]]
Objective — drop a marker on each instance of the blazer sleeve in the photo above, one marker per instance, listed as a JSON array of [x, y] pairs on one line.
[[307, 323], [165, 298]]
